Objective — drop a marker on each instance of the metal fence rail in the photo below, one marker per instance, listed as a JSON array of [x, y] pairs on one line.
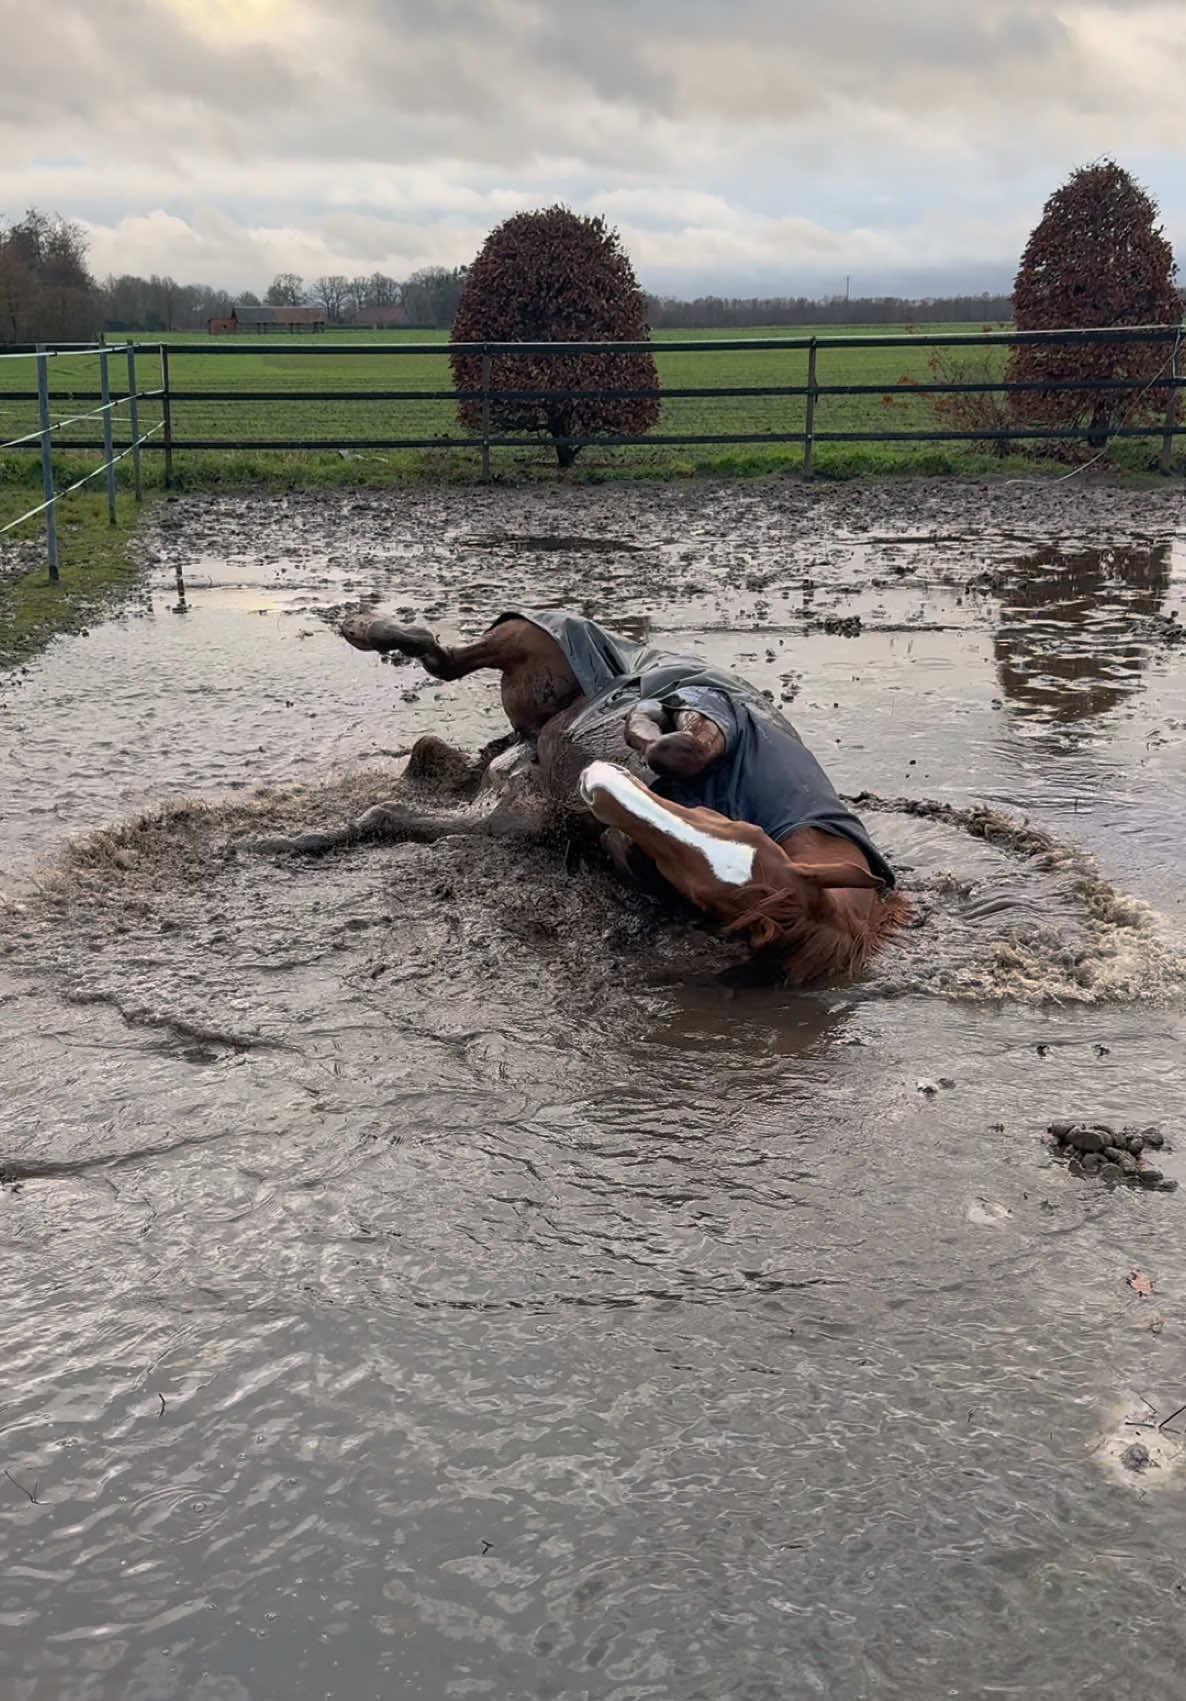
[[803, 408], [42, 437], [773, 392]]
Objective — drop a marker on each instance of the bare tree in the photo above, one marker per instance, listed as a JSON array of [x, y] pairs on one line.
[[332, 292], [383, 291], [431, 295], [357, 294], [286, 290], [18, 292]]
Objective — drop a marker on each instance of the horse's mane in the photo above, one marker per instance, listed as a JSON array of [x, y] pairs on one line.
[[814, 948]]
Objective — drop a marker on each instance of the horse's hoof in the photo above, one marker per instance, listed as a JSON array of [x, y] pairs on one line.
[[376, 632], [438, 765]]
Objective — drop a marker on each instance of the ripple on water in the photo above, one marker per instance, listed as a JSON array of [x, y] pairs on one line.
[[544, 1310]]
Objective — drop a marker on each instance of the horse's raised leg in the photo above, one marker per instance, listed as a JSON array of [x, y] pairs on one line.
[[536, 679], [376, 632]]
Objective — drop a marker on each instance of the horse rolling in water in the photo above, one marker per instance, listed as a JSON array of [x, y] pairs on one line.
[[733, 811]]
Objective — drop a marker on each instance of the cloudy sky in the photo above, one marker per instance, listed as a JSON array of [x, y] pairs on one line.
[[742, 146]]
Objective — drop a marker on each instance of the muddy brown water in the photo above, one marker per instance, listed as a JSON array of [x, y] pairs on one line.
[[429, 1271]]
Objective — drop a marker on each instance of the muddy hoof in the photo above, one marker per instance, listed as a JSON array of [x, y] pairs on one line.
[[439, 766], [376, 632]]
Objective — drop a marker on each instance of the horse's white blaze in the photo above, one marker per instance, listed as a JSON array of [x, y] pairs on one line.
[[732, 863]]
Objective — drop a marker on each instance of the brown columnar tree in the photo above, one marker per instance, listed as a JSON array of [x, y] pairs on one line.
[[1096, 257], [553, 276]]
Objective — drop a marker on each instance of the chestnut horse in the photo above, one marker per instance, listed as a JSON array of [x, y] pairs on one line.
[[803, 880]]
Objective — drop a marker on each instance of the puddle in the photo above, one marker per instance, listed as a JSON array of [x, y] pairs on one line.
[[430, 1268]]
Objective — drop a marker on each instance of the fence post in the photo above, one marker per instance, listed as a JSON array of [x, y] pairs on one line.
[[1165, 460], [108, 445], [167, 415], [485, 415], [809, 422], [47, 464], [134, 418]]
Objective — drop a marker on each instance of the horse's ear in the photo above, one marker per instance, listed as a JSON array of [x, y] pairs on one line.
[[838, 874]]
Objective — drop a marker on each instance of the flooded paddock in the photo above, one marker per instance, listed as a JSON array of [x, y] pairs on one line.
[[433, 1270]]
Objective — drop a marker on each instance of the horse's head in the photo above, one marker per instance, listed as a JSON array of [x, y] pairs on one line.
[[735, 872]]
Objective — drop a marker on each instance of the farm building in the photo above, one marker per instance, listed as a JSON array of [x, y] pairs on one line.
[[379, 318], [301, 318], [261, 319]]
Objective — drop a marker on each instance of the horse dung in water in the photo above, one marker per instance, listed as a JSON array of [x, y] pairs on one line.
[[712, 786]]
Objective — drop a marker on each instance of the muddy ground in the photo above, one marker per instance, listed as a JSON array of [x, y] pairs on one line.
[[434, 1269]]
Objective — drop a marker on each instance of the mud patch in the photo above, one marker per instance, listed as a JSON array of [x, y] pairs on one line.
[[166, 921], [1033, 922], [1024, 917], [551, 543], [1140, 1449]]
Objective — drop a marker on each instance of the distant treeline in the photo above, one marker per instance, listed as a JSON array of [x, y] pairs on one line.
[[428, 300], [47, 291], [708, 312]]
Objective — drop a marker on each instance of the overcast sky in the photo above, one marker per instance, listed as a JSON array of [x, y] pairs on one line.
[[740, 146]]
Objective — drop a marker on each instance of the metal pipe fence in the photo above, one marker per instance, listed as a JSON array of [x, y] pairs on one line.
[[794, 406], [792, 390], [42, 438]]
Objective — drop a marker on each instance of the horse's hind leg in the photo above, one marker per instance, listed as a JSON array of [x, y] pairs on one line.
[[376, 632], [536, 679]]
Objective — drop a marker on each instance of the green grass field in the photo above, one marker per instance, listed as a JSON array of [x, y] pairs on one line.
[[294, 364], [290, 364]]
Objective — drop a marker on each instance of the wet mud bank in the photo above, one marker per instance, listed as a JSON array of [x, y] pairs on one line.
[[447, 1220]]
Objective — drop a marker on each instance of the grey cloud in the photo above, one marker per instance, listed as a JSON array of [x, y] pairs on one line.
[[509, 80], [113, 62], [861, 120]]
